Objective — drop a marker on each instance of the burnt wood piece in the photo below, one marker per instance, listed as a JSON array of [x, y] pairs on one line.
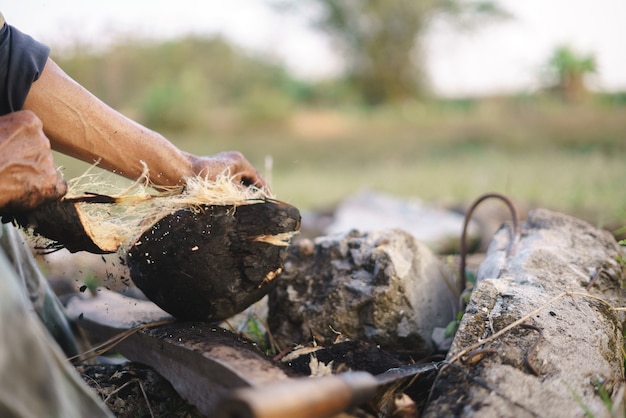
[[212, 263], [201, 361], [60, 222]]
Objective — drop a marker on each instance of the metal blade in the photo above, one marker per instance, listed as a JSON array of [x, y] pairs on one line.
[[410, 371]]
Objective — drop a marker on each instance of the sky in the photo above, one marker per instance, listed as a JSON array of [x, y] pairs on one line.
[[500, 57]]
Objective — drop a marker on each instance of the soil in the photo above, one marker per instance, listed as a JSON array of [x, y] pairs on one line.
[[362, 356], [132, 390]]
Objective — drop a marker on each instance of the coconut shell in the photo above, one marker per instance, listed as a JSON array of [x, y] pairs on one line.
[[64, 225], [212, 263]]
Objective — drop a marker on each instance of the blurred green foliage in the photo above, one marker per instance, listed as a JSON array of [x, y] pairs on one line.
[[326, 143], [173, 85], [380, 40], [568, 70]]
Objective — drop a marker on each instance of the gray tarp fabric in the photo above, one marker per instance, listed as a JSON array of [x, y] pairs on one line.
[[35, 378], [36, 289]]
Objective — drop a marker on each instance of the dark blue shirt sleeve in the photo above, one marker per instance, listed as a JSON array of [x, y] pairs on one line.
[[22, 60]]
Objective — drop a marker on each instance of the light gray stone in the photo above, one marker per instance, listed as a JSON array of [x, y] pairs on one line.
[[438, 228], [384, 287], [575, 347]]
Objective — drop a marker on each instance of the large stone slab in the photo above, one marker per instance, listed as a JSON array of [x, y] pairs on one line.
[[383, 287], [366, 210], [566, 355]]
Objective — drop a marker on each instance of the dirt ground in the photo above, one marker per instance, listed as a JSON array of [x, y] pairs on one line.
[[132, 390]]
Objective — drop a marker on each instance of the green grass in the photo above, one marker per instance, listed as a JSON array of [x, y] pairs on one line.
[[586, 184]]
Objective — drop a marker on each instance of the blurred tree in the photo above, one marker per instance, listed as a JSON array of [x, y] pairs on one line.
[[174, 85], [568, 70], [380, 38]]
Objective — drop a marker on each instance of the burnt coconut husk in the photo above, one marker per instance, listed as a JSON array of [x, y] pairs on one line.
[[214, 261], [63, 224]]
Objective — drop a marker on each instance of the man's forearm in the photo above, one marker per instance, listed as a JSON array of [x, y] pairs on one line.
[[80, 125]]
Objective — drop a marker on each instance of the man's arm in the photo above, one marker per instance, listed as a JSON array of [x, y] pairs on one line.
[[80, 125]]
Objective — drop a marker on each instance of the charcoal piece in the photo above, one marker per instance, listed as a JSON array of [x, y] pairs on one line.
[[212, 263], [61, 223]]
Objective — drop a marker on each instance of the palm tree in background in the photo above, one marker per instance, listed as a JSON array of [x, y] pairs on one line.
[[569, 70]]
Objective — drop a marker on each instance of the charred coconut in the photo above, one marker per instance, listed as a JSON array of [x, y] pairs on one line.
[[204, 252], [213, 262]]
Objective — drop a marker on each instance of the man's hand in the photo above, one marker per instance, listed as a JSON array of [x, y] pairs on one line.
[[28, 176], [240, 169]]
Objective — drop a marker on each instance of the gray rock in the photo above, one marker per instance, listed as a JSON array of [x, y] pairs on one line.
[[441, 340], [384, 287], [566, 355], [438, 228]]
